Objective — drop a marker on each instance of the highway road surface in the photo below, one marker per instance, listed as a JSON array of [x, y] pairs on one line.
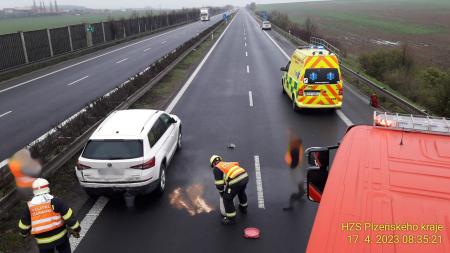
[[33, 104], [236, 97]]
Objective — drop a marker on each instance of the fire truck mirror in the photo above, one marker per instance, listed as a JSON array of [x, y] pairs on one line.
[[315, 184], [319, 158]]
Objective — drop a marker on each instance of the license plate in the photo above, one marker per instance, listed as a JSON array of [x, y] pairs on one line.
[[110, 172], [312, 93]]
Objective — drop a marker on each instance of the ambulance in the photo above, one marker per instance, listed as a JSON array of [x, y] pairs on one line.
[[312, 79], [387, 190]]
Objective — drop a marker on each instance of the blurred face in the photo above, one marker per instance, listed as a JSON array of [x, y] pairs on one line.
[[30, 166]]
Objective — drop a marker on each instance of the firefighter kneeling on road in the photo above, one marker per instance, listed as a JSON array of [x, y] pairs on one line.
[[47, 218], [230, 180]]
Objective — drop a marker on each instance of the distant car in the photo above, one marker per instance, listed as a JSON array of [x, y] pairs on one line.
[[266, 25], [129, 152]]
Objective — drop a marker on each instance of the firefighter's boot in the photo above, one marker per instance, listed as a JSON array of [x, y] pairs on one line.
[[228, 221], [243, 209]]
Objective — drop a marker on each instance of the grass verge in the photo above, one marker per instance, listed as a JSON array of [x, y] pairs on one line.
[[64, 183]]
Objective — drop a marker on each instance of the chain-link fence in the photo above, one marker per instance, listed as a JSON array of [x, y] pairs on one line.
[[11, 51], [26, 47]]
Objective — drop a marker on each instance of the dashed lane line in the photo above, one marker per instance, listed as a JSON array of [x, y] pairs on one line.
[[88, 60], [250, 98], [259, 186], [4, 114], [77, 81], [145, 50], [248, 69], [118, 62]]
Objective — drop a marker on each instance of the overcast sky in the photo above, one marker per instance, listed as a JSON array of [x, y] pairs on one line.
[[114, 4]]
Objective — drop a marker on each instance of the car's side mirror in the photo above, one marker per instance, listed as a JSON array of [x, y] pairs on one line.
[[283, 69], [318, 157], [315, 183], [172, 121]]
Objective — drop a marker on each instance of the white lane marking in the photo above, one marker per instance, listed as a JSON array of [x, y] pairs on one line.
[[246, 53], [145, 50], [245, 44], [101, 202], [4, 163], [163, 42], [87, 60], [117, 62], [339, 112], [250, 98], [194, 74], [248, 69], [365, 99], [344, 118], [278, 46], [6, 113], [79, 80], [259, 186], [87, 222]]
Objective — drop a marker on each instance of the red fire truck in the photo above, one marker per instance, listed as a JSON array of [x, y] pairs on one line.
[[387, 190]]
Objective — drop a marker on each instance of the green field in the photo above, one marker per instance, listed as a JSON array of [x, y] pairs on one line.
[[13, 25], [387, 16]]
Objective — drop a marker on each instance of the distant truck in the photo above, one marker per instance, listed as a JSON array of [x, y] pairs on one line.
[[388, 189], [204, 14]]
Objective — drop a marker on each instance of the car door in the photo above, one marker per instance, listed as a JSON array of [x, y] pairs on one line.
[[158, 141], [172, 134]]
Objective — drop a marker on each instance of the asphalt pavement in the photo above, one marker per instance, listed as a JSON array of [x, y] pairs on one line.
[[34, 103], [235, 98]]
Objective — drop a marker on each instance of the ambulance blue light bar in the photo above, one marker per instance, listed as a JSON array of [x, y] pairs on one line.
[[407, 122]]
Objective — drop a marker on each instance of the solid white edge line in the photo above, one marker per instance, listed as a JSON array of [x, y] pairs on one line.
[[87, 222], [344, 118], [259, 186], [6, 113], [117, 62], [90, 59], [248, 69], [250, 98], [339, 112], [79, 80], [3, 163], [194, 74]]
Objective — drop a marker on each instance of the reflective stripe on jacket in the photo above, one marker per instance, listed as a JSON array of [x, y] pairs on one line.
[[230, 169], [44, 218]]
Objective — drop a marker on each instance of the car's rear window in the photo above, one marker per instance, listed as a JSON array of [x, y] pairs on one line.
[[113, 149], [321, 76], [266, 22]]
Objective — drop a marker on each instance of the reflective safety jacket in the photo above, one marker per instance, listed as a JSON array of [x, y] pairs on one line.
[[47, 219], [22, 181], [228, 173]]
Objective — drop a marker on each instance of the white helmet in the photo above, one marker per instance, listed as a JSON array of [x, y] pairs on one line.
[[40, 186]]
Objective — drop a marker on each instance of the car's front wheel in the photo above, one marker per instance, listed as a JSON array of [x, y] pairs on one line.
[[162, 180]]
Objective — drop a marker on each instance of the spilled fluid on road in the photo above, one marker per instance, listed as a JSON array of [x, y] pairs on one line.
[[190, 199]]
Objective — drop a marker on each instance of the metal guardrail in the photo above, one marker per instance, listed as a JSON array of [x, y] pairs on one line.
[[11, 197], [402, 103], [399, 101]]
